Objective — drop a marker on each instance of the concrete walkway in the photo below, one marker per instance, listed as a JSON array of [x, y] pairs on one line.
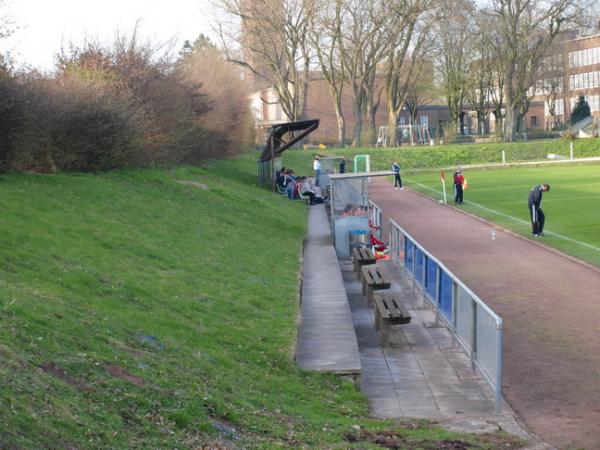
[[326, 339], [422, 376]]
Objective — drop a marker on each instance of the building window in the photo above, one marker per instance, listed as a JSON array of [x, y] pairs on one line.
[[402, 121], [534, 121], [425, 121]]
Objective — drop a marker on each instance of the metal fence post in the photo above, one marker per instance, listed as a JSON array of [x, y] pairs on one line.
[[414, 266], [454, 311], [473, 333], [425, 261], [438, 293], [499, 350]]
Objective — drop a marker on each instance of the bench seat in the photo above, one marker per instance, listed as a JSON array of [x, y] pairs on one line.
[[374, 277], [388, 311], [362, 256]]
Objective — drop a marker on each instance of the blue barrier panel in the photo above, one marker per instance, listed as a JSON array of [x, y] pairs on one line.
[[445, 302], [420, 261], [408, 254], [431, 282]]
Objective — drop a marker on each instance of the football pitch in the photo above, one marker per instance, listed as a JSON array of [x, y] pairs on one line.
[[572, 206]]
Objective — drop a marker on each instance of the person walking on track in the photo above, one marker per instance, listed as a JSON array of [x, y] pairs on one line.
[[535, 211], [397, 179], [459, 182]]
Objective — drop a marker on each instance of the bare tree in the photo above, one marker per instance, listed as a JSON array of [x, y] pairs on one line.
[[454, 54], [274, 38], [423, 92], [374, 89], [363, 47], [326, 37], [527, 29], [408, 40], [481, 80]]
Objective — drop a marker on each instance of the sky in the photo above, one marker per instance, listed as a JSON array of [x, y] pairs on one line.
[[44, 26]]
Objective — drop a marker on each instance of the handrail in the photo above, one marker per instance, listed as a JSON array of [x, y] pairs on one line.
[[452, 326], [475, 297]]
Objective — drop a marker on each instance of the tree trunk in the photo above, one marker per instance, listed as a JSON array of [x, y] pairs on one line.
[[341, 130], [392, 127], [370, 117], [357, 127], [511, 124]]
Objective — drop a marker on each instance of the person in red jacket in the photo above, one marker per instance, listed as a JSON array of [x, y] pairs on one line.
[[459, 181]]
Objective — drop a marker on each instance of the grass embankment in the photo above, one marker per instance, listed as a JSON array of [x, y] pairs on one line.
[[431, 157], [157, 309]]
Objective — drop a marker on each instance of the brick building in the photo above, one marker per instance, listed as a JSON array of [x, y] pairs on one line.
[[572, 69]]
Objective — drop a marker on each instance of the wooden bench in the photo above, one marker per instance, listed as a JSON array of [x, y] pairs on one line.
[[388, 311], [362, 256], [374, 277]]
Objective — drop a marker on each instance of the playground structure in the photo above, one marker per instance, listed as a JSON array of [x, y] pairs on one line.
[[413, 134]]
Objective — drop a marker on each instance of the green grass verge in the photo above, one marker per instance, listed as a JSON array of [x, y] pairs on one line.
[[157, 309], [423, 157]]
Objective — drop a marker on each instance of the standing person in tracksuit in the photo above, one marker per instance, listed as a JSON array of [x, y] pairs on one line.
[[459, 182], [397, 179], [535, 211]]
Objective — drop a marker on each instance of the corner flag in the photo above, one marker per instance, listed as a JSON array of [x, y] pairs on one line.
[[443, 176]]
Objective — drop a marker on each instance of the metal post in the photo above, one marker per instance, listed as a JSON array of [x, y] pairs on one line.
[[454, 311], [414, 266], [473, 333], [425, 259], [499, 350], [503, 157], [438, 293], [571, 150]]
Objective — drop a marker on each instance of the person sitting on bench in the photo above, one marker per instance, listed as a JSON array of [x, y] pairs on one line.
[[310, 190]]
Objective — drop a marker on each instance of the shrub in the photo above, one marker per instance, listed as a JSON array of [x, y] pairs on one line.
[[124, 105], [228, 125]]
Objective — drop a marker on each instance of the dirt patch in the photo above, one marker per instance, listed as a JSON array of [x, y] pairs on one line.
[[119, 372], [194, 183], [51, 368], [395, 440]]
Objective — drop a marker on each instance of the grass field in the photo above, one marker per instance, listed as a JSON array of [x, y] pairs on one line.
[[500, 195], [158, 309]]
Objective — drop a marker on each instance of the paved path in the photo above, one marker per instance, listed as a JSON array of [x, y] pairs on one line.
[[326, 339], [421, 375], [550, 305]]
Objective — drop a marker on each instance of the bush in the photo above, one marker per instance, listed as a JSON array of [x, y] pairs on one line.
[[228, 125], [127, 105]]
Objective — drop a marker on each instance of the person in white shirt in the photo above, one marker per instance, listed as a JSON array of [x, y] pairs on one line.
[[317, 169]]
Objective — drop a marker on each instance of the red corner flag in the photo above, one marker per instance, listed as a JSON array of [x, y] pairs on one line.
[[443, 175]]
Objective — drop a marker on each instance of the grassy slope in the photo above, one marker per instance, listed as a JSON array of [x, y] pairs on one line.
[[423, 157], [139, 312]]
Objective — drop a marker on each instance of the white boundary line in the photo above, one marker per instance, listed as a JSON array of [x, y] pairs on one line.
[[516, 219]]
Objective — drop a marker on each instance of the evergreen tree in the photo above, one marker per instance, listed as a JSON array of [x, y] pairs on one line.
[[581, 110]]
